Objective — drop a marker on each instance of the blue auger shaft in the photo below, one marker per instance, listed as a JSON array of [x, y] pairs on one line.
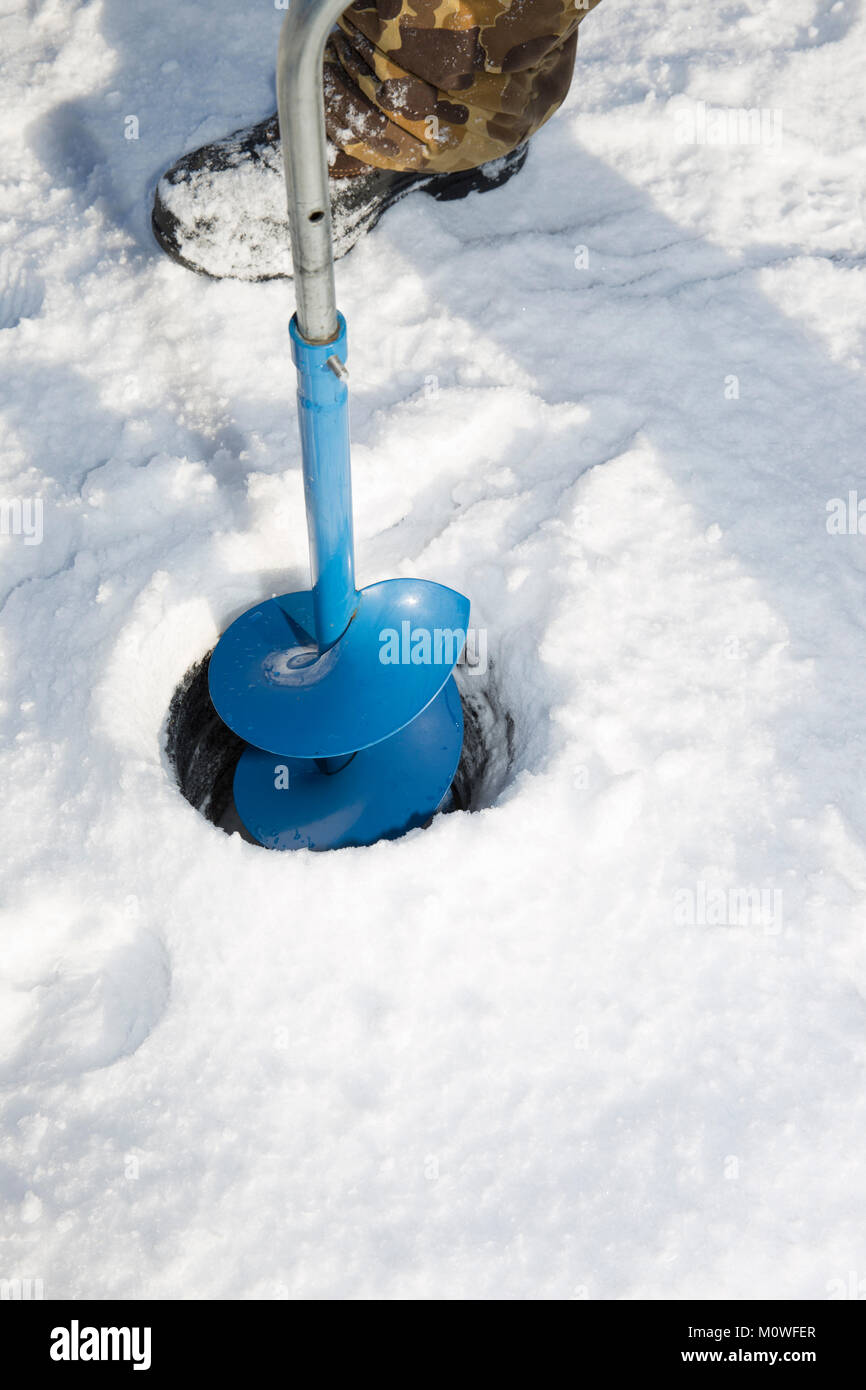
[[323, 417]]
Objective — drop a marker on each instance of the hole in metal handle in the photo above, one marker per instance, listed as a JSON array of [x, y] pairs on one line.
[[315, 216]]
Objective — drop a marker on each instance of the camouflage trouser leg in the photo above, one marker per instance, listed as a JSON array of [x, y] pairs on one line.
[[447, 84]]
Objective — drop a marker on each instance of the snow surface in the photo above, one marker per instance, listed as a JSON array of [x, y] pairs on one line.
[[490, 1060]]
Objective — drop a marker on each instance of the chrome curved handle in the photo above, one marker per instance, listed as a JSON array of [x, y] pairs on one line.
[[302, 127]]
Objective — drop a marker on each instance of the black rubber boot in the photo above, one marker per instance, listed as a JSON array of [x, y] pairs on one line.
[[221, 210]]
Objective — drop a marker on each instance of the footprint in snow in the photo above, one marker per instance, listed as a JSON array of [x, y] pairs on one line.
[[79, 998]]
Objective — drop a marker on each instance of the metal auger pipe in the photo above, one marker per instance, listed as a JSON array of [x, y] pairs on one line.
[[318, 332], [302, 129]]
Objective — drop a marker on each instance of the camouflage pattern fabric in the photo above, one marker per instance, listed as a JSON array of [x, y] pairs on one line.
[[443, 85]]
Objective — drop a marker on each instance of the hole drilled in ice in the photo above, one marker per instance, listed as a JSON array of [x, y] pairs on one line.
[[204, 753]]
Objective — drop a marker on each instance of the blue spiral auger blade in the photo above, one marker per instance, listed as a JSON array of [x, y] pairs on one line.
[[381, 792], [353, 744], [273, 686]]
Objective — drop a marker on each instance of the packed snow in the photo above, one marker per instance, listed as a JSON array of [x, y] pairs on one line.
[[605, 1036]]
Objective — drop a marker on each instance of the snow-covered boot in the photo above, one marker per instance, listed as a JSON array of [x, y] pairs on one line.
[[221, 210]]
